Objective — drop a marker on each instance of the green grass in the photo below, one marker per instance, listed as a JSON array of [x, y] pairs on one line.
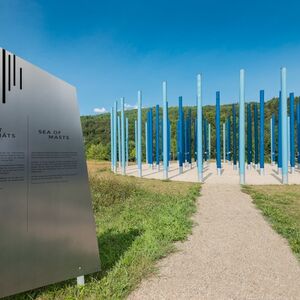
[[281, 206], [137, 222]]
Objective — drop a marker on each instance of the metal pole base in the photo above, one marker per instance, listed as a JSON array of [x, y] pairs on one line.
[[158, 167], [242, 178], [166, 174], [80, 280], [219, 171], [262, 171], [140, 172], [123, 171], [234, 167], [190, 166], [285, 179], [180, 170], [115, 169], [279, 170], [200, 177], [293, 170], [249, 167]]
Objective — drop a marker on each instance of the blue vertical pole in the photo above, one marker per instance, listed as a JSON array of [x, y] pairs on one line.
[[209, 141], [242, 127], [195, 140], [150, 145], [157, 135], [180, 140], [279, 159], [199, 129], [186, 140], [189, 138], [115, 136], [165, 130], [123, 136], [127, 143], [298, 134], [218, 133], [228, 139], [205, 139], [139, 139], [234, 136], [249, 135], [284, 133], [146, 142], [262, 131], [119, 140], [273, 142], [256, 135], [112, 138], [292, 135], [136, 141]]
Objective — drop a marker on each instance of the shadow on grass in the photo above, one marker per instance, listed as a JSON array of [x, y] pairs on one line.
[[112, 246]]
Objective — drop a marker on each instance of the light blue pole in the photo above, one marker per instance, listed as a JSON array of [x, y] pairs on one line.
[[146, 141], [262, 131], [298, 134], [284, 133], [136, 141], [279, 157], [112, 138], [119, 140], [123, 136], [292, 134], [242, 127], [115, 136], [209, 141], [180, 139], [139, 135], [218, 133], [273, 145], [199, 128], [165, 129], [127, 143], [157, 135]]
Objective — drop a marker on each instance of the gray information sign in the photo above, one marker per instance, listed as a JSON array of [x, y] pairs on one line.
[[47, 229]]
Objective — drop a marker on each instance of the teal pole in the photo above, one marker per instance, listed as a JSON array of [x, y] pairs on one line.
[[256, 135], [218, 134], [119, 140], [139, 135], [284, 133], [135, 141], [127, 143], [115, 136], [112, 138], [146, 141], [242, 127], [123, 136], [292, 133], [165, 129], [262, 132], [209, 141], [199, 128]]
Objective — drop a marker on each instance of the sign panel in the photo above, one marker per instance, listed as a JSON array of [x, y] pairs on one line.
[[47, 229]]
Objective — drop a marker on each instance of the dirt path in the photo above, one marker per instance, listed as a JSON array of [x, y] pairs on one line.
[[232, 254]]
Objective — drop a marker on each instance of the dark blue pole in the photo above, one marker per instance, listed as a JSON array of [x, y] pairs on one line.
[[218, 133], [249, 135], [186, 140], [180, 140], [234, 136], [256, 135], [205, 139], [273, 139], [262, 131], [292, 135], [150, 144], [189, 137], [228, 139], [157, 135], [279, 135]]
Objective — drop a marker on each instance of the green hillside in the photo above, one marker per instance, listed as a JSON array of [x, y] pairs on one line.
[[96, 129]]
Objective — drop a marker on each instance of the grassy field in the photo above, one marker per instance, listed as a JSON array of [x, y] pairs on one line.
[[281, 206], [137, 222]]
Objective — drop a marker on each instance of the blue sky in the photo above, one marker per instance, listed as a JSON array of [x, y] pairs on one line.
[[110, 49]]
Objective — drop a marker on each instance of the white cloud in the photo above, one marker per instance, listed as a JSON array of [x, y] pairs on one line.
[[128, 106], [101, 110]]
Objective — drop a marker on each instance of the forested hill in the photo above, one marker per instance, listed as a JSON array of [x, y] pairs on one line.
[[96, 129]]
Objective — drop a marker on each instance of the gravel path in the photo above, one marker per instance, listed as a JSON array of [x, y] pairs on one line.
[[232, 254]]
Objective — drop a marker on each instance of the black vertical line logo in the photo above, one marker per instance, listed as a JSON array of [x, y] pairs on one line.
[[3, 76], [21, 79], [9, 82], [14, 69], [9, 74]]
